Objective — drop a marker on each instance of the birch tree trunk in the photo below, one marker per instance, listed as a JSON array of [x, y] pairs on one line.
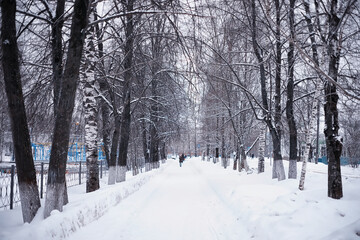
[[58, 158], [90, 107], [29, 193], [261, 151], [309, 136]]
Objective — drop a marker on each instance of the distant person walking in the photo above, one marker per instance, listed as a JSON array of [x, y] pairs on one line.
[[181, 159]]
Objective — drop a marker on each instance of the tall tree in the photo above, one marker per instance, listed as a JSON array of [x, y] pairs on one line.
[[336, 15], [69, 81], [29, 193], [90, 107], [273, 125], [128, 77], [310, 133], [333, 141], [290, 95]]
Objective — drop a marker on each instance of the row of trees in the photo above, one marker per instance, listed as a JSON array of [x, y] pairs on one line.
[[278, 62], [106, 70], [140, 75]]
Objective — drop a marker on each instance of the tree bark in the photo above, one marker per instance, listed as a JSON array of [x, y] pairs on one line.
[[90, 107], [29, 193], [309, 136], [57, 50], [278, 168], [223, 150], [163, 151], [128, 75], [114, 147], [154, 136], [58, 158], [261, 151], [333, 140], [146, 150], [207, 152], [105, 108], [290, 97]]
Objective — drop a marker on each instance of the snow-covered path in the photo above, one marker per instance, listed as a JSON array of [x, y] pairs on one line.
[[180, 204], [200, 200]]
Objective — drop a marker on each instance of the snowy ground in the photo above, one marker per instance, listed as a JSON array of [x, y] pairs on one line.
[[201, 201]]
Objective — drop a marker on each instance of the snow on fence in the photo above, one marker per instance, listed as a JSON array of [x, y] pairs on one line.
[[9, 190]]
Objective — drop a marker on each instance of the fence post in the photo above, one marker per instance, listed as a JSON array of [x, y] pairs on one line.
[[80, 173], [42, 180], [101, 163], [12, 186]]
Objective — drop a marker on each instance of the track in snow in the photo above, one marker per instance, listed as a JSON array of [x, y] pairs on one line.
[[179, 203]]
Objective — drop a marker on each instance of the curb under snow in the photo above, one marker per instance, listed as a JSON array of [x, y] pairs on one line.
[[79, 213]]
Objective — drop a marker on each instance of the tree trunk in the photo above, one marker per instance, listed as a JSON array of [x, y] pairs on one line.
[[290, 97], [309, 136], [243, 161], [115, 138], [114, 148], [261, 151], [278, 167], [154, 137], [208, 152], [146, 150], [223, 151], [105, 115], [57, 166], [333, 140], [57, 51], [163, 151], [124, 133], [105, 108], [315, 57], [236, 159], [90, 107], [277, 97], [29, 193], [124, 139], [126, 118]]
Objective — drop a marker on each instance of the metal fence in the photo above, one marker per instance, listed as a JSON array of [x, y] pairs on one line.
[[76, 174]]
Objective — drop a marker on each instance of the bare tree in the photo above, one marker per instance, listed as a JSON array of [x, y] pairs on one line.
[[90, 107], [126, 92], [29, 194], [273, 125], [57, 166], [290, 95]]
